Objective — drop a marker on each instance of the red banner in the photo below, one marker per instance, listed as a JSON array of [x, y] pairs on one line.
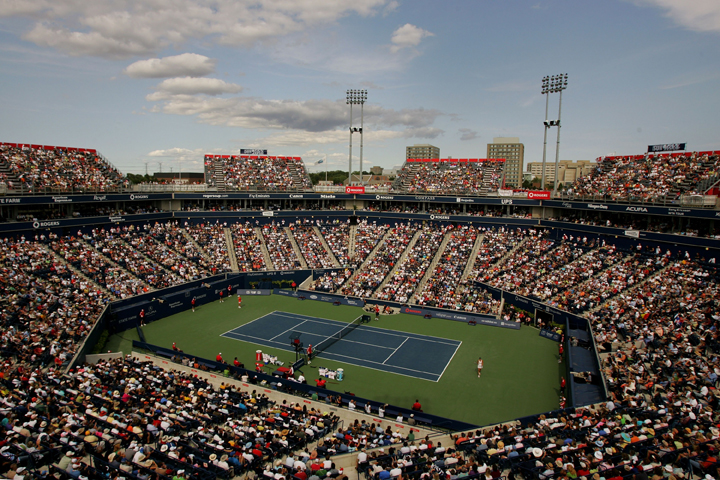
[[538, 195], [359, 189]]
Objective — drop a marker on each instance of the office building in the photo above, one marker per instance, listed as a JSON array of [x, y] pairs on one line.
[[422, 151], [513, 152]]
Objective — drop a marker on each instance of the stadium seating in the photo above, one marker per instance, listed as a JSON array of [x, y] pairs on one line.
[[649, 178], [450, 176], [38, 168], [245, 172], [654, 315]]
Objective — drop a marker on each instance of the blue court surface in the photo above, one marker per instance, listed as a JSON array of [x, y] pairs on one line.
[[403, 353]]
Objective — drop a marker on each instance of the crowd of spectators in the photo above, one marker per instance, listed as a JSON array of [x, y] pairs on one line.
[[656, 328], [442, 288], [58, 170], [407, 276], [311, 247], [337, 237], [647, 177], [114, 278], [497, 242], [265, 173], [46, 308], [121, 244], [211, 238], [450, 177], [247, 248], [132, 419], [369, 277], [280, 248]]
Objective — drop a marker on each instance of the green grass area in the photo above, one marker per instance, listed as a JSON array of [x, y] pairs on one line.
[[520, 377]]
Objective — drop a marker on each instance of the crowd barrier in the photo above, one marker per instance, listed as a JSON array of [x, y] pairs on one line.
[[423, 419]]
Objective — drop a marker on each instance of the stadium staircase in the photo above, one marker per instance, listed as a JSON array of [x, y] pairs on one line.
[[471, 259], [296, 249], [400, 262], [231, 250], [431, 269], [192, 241], [116, 265], [370, 256], [77, 272], [219, 175], [510, 252], [327, 248], [631, 291], [263, 247], [297, 175], [10, 177], [351, 241]]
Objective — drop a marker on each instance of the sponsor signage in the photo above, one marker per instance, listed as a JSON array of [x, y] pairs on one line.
[[666, 147], [460, 317], [502, 192], [268, 213], [257, 291], [538, 195], [550, 335], [632, 233], [321, 297], [355, 189], [253, 151]]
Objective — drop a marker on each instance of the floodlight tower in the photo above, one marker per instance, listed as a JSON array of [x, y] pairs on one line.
[[560, 85], [356, 97], [553, 84]]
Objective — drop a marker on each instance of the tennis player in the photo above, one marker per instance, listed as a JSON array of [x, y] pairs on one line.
[[480, 366]]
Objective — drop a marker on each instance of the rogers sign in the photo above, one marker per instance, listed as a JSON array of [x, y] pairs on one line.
[[359, 189], [539, 195]]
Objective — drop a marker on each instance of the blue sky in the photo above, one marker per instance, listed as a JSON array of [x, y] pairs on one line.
[[170, 80]]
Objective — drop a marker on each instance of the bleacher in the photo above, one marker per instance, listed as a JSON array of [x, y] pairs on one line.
[[465, 176]]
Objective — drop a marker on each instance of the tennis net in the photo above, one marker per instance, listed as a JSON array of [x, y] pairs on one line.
[[328, 342]]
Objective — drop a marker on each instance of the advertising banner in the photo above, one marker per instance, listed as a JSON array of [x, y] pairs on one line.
[[538, 195], [321, 297], [459, 317], [666, 147]]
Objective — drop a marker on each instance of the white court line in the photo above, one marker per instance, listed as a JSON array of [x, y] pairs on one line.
[[448, 363], [291, 328], [377, 330], [395, 351], [251, 321], [415, 336], [284, 347], [344, 339]]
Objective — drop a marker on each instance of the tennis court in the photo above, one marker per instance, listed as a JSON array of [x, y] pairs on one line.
[[409, 354]]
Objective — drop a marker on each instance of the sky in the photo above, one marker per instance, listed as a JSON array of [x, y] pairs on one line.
[[156, 84]]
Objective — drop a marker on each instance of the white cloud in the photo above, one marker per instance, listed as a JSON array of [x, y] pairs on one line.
[[340, 137], [122, 29], [186, 64], [408, 36], [309, 116], [467, 134], [192, 86], [698, 15]]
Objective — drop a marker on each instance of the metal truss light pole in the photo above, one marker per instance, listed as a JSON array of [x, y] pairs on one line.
[[553, 84], [356, 97]]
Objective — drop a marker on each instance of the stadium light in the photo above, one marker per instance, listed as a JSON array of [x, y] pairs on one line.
[[356, 97], [552, 84]]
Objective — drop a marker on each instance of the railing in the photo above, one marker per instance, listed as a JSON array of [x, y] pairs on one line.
[[634, 200], [143, 187], [341, 188]]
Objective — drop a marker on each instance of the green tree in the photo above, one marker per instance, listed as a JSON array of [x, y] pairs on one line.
[[335, 176], [136, 178]]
